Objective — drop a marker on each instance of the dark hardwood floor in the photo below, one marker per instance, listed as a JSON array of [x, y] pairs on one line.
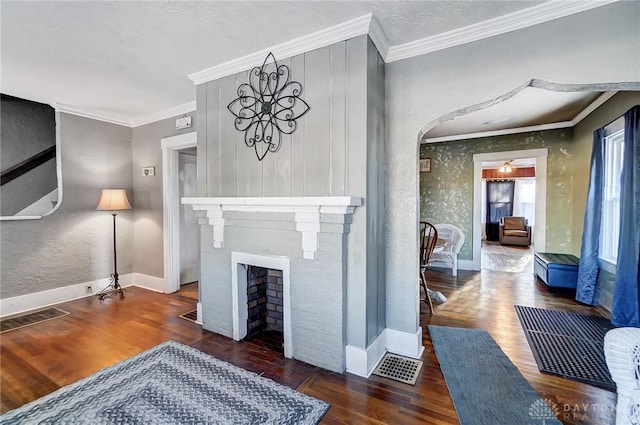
[[37, 360]]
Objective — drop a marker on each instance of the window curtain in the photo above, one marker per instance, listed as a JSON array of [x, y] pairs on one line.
[[626, 295], [499, 204], [588, 267]]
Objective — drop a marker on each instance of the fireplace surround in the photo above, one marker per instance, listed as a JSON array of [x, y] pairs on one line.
[[305, 238]]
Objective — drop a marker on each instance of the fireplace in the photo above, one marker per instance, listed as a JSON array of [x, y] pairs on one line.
[[304, 242]]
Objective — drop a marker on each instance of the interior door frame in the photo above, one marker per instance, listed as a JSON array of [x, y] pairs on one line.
[[540, 228], [171, 206]]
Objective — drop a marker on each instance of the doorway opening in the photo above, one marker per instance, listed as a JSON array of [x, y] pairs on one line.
[[508, 215]]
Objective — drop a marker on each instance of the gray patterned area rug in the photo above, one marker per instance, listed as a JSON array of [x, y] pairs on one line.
[[172, 384]]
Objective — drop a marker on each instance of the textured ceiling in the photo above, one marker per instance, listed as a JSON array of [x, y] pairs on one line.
[[529, 107], [131, 59]]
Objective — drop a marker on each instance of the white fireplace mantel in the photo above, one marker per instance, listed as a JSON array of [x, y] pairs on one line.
[[307, 212]]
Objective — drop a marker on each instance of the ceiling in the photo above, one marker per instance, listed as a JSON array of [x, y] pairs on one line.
[[128, 61], [530, 107]]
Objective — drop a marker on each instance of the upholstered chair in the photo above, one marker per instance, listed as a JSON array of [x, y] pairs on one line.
[[515, 231], [454, 239], [622, 351]]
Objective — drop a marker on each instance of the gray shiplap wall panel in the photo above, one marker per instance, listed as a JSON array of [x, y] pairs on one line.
[[338, 122], [317, 134], [323, 157], [375, 194], [298, 157], [212, 137], [227, 175], [356, 163]]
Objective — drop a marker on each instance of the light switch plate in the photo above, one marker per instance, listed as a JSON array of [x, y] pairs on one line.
[[148, 171]]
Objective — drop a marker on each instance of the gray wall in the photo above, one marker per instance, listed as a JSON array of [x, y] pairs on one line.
[[27, 128], [75, 243], [337, 150], [420, 90], [148, 239]]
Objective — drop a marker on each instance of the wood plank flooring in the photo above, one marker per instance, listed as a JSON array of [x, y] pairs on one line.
[[507, 258], [37, 360]]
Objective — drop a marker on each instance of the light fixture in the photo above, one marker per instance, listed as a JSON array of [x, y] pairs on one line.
[[113, 200], [506, 168]]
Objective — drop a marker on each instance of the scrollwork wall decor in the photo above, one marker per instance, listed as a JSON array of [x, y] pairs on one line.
[[268, 106]]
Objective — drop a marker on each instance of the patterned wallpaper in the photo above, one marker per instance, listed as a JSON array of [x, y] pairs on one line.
[[446, 193]]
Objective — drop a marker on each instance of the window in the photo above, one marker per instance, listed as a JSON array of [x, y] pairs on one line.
[[613, 156]]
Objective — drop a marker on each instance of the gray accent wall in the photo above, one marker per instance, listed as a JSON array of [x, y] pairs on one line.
[[423, 89], [337, 150], [74, 244], [148, 228]]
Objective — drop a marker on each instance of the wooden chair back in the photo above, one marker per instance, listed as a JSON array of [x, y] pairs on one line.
[[428, 239]]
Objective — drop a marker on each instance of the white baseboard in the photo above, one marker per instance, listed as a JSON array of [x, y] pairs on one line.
[[152, 283], [362, 362], [199, 313], [405, 343], [22, 303]]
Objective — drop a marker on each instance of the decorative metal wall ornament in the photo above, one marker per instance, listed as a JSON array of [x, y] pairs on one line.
[[268, 106]]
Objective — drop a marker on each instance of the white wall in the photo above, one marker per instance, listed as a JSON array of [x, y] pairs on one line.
[[598, 46]]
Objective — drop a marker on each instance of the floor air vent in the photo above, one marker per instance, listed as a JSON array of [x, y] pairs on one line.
[[191, 316], [399, 368], [29, 319]]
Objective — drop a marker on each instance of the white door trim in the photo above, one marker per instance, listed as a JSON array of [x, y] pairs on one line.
[[540, 229], [171, 205]]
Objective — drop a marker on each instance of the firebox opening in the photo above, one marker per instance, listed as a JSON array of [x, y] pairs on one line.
[[265, 298]]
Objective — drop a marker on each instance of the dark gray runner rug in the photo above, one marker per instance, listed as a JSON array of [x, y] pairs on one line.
[[172, 384], [569, 345], [486, 388]]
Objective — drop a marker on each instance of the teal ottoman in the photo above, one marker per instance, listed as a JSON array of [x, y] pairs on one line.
[[557, 270]]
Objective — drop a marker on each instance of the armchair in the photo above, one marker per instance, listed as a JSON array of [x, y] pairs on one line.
[[622, 352], [514, 231], [454, 238]]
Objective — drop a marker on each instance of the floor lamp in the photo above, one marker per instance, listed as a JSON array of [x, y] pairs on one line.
[[113, 200]]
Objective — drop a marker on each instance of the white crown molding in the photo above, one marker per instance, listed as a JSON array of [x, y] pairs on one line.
[[306, 43], [524, 18], [540, 127], [86, 113], [136, 122], [593, 106], [503, 132], [167, 113], [379, 38]]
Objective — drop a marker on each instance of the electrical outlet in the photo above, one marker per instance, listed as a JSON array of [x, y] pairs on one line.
[[88, 289], [184, 122], [148, 171]]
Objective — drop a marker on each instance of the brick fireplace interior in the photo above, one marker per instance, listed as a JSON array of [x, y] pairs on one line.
[[265, 298]]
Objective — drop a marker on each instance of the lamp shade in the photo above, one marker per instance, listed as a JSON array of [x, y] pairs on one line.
[[113, 200]]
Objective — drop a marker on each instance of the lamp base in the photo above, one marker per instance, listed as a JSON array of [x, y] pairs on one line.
[[112, 289]]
